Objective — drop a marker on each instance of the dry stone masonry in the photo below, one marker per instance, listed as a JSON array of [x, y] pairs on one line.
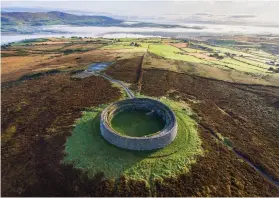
[[154, 141]]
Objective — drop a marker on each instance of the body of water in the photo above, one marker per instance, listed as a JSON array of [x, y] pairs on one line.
[[120, 32], [98, 66]]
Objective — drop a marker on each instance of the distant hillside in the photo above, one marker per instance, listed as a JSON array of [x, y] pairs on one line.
[[55, 18], [30, 22]]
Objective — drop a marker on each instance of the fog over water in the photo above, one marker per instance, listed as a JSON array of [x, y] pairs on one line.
[[214, 17], [118, 32]]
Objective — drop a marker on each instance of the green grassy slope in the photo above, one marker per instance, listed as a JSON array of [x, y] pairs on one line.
[[86, 149], [168, 51]]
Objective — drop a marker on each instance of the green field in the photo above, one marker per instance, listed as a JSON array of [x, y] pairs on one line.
[[119, 45], [87, 150], [136, 123], [191, 50], [225, 49], [29, 41], [168, 51], [238, 63], [242, 66], [247, 52], [253, 62], [125, 45]]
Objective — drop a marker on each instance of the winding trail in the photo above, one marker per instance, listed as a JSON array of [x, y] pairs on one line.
[[127, 90], [87, 73]]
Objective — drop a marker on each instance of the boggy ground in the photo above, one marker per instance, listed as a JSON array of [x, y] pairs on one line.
[[37, 116], [246, 116]]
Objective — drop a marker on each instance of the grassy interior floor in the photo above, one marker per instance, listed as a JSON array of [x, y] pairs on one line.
[[137, 123]]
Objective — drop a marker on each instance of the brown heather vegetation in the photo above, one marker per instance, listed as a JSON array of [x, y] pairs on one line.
[[246, 115], [14, 67], [38, 115], [127, 70]]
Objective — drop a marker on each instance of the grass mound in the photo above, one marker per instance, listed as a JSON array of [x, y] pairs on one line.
[[136, 123], [86, 149]]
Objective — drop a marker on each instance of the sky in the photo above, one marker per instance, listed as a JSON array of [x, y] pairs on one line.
[[262, 12]]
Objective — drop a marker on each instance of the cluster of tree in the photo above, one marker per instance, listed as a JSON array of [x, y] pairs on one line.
[[200, 47], [275, 70], [216, 55], [135, 44], [70, 51], [229, 54], [5, 46], [75, 37], [181, 53]]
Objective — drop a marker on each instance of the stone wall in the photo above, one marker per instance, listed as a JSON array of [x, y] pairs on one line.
[[155, 141]]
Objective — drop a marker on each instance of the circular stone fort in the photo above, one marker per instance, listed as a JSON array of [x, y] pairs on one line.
[[150, 139]]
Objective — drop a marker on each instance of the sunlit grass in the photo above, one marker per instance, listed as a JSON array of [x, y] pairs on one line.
[[86, 149], [168, 51], [242, 64], [191, 50], [125, 45], [253, 62]]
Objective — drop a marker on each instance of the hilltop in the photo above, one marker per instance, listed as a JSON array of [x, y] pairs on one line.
[[55, 18], [18, 22]]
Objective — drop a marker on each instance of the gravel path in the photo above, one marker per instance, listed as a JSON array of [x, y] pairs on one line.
[[128, 91], [87, 73]]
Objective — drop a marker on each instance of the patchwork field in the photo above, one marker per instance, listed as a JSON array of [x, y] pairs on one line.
[[232, 68]]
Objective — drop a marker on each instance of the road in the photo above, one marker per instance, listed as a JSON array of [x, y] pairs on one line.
[[127, 90], [87, 73]]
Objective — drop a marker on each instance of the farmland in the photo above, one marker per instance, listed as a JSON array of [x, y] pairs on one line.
[[225, 99], [217, 62], [194, 56]]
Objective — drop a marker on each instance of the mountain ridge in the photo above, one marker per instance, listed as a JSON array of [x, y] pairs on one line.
[[11, 19], [55, 18]]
